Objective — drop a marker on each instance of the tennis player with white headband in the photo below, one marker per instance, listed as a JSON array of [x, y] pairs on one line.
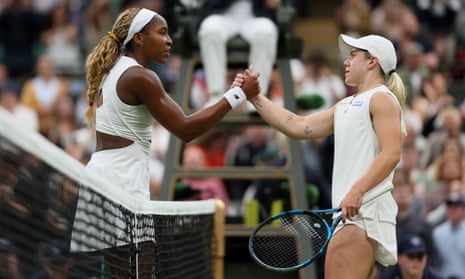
[[368, 131], [125, 97]]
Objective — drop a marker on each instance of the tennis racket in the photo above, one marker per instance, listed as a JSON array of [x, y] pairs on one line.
[[293, 239]]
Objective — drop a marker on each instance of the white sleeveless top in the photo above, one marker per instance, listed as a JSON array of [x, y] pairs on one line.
[[114, 117], [355, 145]]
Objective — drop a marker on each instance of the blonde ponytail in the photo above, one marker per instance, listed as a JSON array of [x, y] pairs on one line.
[[396, 85]]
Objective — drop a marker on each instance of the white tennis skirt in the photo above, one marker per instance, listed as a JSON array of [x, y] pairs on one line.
[[127, 168], [378, 219], [99, 223]]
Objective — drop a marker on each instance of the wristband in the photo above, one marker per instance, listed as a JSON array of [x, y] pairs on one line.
[[235, 96]]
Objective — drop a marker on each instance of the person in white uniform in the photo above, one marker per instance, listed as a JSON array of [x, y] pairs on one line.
[[124, 98], [252, 20], [368, 131]]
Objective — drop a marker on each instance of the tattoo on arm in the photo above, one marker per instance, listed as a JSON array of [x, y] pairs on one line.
[[289, 119], [307, 130]]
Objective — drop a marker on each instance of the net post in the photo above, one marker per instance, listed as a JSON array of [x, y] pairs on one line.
[[218, 240]]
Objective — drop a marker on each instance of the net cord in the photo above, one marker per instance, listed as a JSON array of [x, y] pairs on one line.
[[56, 157]]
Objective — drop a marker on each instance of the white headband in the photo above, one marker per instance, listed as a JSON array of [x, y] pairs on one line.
[[143, 17]]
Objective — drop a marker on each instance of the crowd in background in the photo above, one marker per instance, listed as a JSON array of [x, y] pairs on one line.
[[44, 43]]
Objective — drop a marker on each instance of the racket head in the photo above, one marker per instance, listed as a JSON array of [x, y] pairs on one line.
[[289, 240]]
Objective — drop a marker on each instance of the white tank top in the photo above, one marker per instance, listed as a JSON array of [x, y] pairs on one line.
[[114, 117], [355, 145]]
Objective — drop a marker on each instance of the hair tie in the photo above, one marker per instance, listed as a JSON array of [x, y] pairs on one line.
[[114, 37], [91, 103], [391, 72]]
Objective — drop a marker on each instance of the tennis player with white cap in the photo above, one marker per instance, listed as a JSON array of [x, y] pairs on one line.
[[368, 130]]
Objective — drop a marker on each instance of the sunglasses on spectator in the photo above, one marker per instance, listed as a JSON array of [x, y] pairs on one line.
[[416, 256]]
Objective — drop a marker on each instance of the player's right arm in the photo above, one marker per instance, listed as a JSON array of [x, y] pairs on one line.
[[315, 125]]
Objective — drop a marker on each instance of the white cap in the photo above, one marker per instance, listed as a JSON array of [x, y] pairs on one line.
[[377, 46]]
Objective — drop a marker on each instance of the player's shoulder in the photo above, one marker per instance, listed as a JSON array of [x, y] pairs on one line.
[[384, 99], [138, 75]]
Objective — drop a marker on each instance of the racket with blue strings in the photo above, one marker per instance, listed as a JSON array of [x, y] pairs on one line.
[[293, 239]]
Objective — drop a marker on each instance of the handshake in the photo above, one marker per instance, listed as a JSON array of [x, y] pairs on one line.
[[244, 87]]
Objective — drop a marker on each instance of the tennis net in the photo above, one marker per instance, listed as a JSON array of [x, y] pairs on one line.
[[58, 219]]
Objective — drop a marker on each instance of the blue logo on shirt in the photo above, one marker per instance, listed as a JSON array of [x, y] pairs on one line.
[[357, 103]]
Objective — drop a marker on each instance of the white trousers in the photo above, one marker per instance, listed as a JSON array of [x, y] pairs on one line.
[[215, 31]]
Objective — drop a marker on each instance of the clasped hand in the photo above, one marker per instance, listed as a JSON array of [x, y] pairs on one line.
[[248, 81]]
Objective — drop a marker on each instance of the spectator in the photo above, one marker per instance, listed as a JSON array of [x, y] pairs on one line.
[[57, 262], [97, 20], [20, 27], [258, 147], [409, 220], [61, 42], [450, 146], [43, 6], [214, 144], [62, 193], [412, 261], [413, 69], [386, 18], [208, 187], [448, 238], [5, 79], [254, 22], [449, 170], [449, 123], [9, 260], [12, 207], [439, 20], [353, 17], [21, 205], [43, 91], [412, 147], [9, 100], [458, 65], [412, 33], [64, 122], [320, 80]]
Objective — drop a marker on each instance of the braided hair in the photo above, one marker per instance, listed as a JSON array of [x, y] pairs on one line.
[[103, 57]]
